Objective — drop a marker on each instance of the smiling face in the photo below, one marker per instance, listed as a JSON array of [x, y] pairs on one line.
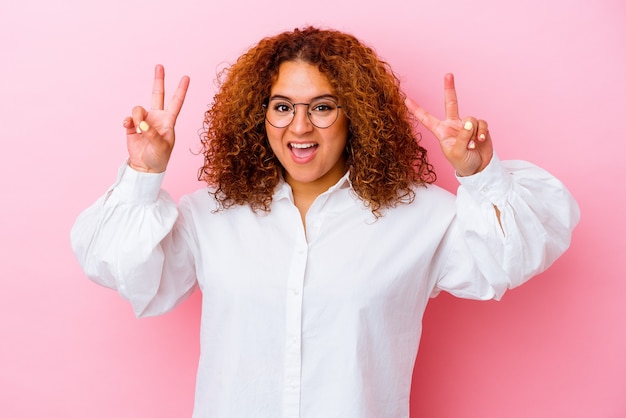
[[312, 157]]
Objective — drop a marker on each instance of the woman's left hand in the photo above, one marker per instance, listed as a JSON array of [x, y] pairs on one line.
[[466, 142]]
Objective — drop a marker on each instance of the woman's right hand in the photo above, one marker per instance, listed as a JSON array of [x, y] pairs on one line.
[[150, 134]]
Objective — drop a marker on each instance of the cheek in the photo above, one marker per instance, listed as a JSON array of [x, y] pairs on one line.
[[341, 135], [274, 138]]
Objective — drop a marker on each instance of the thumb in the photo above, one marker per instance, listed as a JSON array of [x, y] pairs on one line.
[[143, 127]]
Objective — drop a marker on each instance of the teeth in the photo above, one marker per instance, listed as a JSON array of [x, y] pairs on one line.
[[302, 146]]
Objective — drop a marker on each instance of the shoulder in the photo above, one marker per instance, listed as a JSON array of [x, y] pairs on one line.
[[202, 200], [433, 197], [431, 203], [434, 191]]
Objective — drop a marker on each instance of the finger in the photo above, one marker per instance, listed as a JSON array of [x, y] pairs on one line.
[[449, 97], [158, 88], [425, 118], [129, 125], [482, 131], [467, 135], [176, 103], [138, 116]]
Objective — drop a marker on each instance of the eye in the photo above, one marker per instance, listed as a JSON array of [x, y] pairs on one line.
[[281, 107], [323, 106]]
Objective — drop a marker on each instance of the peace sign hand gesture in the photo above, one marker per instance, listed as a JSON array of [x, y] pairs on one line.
[[465, 143], [150, 134]]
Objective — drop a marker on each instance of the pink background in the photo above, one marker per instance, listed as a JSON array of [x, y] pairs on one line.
[[547, 75]]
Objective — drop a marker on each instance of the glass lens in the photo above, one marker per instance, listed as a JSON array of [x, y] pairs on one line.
[[321, 112], [279, 112]]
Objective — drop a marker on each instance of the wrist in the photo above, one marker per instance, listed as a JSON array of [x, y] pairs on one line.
[[143, 169]]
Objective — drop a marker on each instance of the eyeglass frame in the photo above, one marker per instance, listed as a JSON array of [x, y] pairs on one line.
[[308, 114]]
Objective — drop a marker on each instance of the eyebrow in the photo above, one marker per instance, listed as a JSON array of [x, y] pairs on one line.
[[323, 96]]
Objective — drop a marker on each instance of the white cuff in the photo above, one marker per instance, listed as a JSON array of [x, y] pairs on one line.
[[493, 183], [137, 187]]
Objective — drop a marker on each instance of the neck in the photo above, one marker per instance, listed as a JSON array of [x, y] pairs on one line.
[[305, 192]]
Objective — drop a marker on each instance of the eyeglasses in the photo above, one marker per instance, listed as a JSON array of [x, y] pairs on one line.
[[322, 112]]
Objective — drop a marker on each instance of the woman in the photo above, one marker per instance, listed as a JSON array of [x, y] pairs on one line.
[[319, 237]]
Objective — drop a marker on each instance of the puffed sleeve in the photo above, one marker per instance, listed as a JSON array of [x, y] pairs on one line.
[[488, 255], [133, 239]]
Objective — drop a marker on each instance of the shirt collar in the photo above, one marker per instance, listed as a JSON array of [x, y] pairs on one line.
[[283, 189]]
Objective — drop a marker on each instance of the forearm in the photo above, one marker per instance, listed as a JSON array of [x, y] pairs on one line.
[[128, 241], [514, 220]]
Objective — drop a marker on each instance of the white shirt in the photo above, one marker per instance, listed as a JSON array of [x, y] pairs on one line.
[[325, 323]]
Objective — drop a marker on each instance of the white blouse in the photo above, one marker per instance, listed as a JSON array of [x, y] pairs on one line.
[[324, 322]]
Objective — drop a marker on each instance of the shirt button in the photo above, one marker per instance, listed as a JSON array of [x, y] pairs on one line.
[[296, 292]]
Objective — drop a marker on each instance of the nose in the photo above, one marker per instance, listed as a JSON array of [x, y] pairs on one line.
[[301, 123]]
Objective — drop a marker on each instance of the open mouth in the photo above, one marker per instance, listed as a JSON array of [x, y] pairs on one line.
[[303, 150]]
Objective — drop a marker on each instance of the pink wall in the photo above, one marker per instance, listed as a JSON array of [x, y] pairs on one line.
[[547, 75]]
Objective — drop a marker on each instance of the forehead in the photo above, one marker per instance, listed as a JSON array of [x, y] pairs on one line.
[[298, 79]]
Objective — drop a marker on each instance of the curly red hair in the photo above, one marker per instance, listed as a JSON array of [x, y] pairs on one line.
[[383, 154]]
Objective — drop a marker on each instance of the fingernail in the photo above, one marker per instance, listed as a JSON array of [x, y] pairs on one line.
[[138, 130], [143, 126], [481, 137], [468, 126], [471, 144]]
